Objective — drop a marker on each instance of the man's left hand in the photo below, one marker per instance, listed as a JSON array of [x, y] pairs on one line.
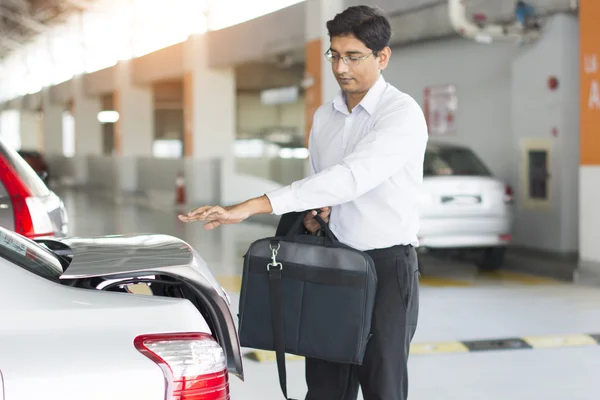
[[216, 215]]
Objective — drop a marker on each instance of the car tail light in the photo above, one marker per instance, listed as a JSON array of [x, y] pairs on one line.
[[31, 218], [194, 365], [508, 194], [505, 237]]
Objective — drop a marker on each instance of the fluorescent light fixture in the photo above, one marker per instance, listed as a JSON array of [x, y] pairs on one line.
[[282, 95], [108, 117]]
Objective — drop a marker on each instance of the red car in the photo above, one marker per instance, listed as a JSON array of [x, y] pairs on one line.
[[27, 205], [37, 162]]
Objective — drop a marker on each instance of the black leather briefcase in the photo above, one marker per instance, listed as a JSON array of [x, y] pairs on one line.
[[307, 295]]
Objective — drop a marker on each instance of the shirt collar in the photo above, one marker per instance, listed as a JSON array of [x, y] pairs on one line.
[[369, 102]]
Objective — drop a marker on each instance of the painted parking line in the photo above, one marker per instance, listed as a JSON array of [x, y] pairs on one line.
[[471, 346], [516, 277]]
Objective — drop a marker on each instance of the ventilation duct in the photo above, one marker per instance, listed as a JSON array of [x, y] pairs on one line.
[[479, 30]]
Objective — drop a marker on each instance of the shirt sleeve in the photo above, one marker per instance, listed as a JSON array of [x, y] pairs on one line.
[[312, 151], [398, 136]]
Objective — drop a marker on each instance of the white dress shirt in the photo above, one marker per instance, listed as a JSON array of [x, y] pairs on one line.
[[368, 166]]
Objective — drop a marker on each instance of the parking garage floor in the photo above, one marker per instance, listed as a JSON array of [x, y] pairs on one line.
[[494, 336]]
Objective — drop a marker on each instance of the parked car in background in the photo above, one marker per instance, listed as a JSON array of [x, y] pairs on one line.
[[37, 161], [27, 205], [469, 211], [120, 317]]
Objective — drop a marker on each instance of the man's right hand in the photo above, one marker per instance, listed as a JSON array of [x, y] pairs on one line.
[[311, 224]]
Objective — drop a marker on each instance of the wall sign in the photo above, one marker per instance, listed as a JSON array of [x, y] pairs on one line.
[[440, 108], [589, 80]]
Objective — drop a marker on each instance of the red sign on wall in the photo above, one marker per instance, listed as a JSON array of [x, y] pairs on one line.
[[440, 108]]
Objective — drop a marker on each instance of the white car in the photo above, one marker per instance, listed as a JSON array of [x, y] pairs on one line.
[[467, 210], [126, 317]]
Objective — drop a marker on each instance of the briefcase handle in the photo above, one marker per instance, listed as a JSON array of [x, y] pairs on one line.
[[330, 238]]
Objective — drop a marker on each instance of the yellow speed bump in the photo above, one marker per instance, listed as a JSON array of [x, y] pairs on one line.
[[439, 347], [516, 277], [539, 342], [436, 281]]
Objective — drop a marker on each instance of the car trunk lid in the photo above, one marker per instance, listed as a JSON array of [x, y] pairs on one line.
[[134, 256], [459, 196]]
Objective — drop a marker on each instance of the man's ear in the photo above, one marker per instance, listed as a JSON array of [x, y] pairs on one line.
[[384, 57]]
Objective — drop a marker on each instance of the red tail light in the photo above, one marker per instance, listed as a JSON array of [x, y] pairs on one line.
[[508, 194], [505, 237], [31, 218], [194, 365]]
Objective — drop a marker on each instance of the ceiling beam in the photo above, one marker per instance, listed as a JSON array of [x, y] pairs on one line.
[[22, 5], [79, 4], [10, 43], [23, 20]]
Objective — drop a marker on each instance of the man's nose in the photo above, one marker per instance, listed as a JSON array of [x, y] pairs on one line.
[[340, 66]]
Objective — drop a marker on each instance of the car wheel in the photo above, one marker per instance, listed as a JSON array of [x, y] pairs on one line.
[[492, 259]]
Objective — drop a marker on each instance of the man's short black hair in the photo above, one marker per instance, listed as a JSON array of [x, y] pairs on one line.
[[367, 24]]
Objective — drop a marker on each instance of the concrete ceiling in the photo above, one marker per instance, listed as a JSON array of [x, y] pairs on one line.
[[22, 20]]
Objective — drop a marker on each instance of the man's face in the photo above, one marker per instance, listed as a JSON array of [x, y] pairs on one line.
[[359, 78]]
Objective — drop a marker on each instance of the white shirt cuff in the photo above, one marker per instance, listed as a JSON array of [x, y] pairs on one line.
[[282, 200]]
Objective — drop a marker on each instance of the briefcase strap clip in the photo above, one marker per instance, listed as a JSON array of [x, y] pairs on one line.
[[274, 263]]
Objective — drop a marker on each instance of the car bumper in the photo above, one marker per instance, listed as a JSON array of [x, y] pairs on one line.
[[473, 232]]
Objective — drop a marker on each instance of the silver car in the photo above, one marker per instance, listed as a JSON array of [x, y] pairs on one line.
[[27, 205], [141, 313], [467, 210]]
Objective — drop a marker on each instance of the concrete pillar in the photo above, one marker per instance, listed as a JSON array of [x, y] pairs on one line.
[[589, 169], [9, 128], [321, 85], [30, 130], [52, 124], [209, 131], [134, 131], [88, 131], [544, 129]]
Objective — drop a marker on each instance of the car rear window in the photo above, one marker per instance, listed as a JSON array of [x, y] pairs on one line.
[[24, 170], [28, 255], [453, 161]]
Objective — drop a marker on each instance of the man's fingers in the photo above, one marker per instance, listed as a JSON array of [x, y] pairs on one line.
[[214, 213], [198, 211], [309, 216], [198, 214], [185, 218], [211, 225]]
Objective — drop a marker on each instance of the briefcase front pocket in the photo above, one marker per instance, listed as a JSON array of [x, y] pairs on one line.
[[326, 311], [332, 323]]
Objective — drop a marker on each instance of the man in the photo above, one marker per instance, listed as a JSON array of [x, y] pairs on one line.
[[366, 154]]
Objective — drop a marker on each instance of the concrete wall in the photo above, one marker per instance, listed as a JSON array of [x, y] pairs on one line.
[[279, 170], [482, 75], [30, 128], [536, 112], [502, 99], [253, 115]]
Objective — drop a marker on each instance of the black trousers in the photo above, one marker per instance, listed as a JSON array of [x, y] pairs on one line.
[[384, 373]]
